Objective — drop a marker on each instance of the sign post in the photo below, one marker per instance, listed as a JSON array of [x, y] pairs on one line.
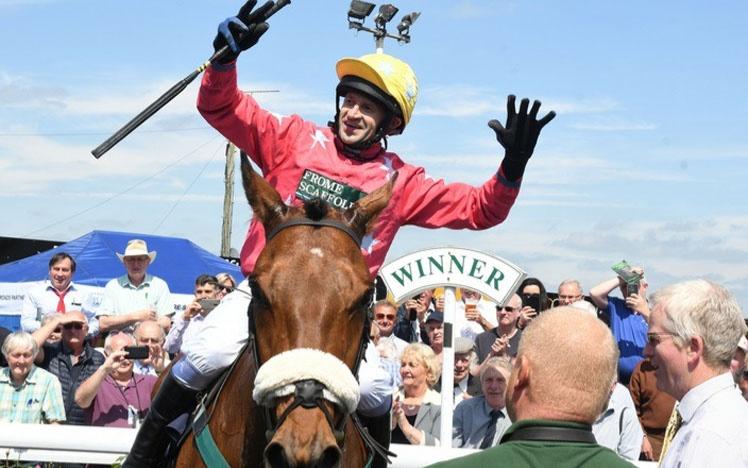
[[449, 267]]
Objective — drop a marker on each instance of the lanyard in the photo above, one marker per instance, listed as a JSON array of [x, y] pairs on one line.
[[138, 415]]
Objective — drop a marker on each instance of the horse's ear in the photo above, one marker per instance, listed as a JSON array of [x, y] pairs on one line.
[[363, 213], [262, 197]]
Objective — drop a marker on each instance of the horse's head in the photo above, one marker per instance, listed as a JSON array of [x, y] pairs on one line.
[[311, 290]]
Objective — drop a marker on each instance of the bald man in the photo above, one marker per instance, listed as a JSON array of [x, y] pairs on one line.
[[558, 387]]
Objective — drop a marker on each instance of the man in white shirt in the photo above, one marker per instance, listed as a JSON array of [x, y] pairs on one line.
[[190, 322], [693, 331], [474, 315], [58, 294], [385, 315]]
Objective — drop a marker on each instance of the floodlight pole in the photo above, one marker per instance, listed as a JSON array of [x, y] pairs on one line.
[[380, 32]]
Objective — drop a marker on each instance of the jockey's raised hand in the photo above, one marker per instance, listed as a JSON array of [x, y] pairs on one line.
[[520, 135], [242, 31]]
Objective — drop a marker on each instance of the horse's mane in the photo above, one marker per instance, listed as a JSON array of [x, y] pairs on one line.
[[316, 209]]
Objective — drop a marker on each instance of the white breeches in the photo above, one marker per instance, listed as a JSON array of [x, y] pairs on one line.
[[226, 330]]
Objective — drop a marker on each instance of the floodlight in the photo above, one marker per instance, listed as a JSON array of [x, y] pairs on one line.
[[360, 10], [386, 13], [405, 23]]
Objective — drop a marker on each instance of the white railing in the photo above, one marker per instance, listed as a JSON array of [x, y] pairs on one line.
[[105, 445]]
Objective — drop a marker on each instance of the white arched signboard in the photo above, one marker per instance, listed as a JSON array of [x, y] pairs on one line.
[[450, 267]]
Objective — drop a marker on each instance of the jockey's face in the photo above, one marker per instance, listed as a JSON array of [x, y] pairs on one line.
[[359, 118]]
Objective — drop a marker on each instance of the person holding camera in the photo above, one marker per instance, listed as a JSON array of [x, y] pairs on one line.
[[628, 317], [117, 396], [190, 321], [149, 333]]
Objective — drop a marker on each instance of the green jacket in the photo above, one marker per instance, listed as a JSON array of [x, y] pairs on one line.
[[538, 453]]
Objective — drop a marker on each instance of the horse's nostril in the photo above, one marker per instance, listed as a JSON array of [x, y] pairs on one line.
[[275, 456], [330, 458]]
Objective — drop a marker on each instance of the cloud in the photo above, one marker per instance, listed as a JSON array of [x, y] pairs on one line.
[[612, 125], [462, 100], [711, 248]]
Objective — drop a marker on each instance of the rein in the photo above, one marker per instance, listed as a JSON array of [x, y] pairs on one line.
[[309, 392]]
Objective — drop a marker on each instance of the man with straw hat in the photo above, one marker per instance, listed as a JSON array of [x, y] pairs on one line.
[[137, 295]]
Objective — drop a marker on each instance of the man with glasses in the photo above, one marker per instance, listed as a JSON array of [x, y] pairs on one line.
[[693, 331], [569, 292], [385, 315], [504, 339], [190, 322], [150, 333], [72, 360], [137, 295]]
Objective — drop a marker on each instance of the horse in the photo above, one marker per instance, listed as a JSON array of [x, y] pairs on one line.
[[311, 292]]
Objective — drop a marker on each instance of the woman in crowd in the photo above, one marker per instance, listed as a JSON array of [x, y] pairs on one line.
[[416, 412], [533, 293], [226, 284], [28, 394]]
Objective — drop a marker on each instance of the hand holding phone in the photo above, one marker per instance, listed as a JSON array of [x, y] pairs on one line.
[[531, 300], [208, 304], [136, 352]]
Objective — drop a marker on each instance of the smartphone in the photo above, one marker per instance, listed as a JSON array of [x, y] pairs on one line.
[[136, 352], [532, 300], [208, 304], [413, 313], [632, 289]]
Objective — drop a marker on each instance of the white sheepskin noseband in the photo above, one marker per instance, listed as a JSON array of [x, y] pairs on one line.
[[276, 378]]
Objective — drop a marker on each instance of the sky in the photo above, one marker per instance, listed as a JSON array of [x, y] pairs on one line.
[[646, 160]]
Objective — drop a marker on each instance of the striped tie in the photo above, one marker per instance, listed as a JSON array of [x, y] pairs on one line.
[[673, 425]]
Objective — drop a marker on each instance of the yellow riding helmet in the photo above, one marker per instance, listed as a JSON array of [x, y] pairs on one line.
[[391, 75]]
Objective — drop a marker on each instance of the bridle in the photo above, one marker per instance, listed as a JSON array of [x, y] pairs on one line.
[[308, 393]]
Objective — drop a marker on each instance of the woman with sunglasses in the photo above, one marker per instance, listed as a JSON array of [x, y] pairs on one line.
[[226, 284]]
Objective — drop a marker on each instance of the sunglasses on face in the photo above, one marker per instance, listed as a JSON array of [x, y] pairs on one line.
[[507, 308], [226, 288], [381, 316], [74, 325]]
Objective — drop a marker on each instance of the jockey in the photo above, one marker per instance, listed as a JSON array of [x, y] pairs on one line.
[[375, 98]]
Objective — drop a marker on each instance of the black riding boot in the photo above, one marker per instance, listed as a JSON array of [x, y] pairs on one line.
[[172, 400]]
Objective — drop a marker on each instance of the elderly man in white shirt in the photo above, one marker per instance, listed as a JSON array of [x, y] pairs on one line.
[[693, 331], [58, 294]]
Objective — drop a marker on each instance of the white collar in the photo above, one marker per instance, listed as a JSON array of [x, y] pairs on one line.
[[695, 397]]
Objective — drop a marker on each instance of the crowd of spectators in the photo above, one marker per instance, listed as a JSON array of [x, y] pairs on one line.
[[95, 361], [76, 362]]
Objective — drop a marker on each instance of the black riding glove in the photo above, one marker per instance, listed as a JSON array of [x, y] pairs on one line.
[[242, 31], [519, 136]]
